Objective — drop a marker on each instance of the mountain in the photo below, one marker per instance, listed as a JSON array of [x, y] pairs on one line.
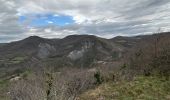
[[72, 51], [2, 44], [85, 63]]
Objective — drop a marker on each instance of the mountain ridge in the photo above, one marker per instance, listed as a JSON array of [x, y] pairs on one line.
[[74, 50]]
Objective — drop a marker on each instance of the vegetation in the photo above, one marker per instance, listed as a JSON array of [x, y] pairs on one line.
[[3, 89], [100, 74], [98, 77], [150, 57], [141, 88]]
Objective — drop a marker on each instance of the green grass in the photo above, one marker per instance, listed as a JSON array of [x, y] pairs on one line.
[[141, 88], [3, 89], [3, 84], [26, 74], [17, 60]]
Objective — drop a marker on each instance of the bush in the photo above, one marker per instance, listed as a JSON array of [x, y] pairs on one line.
[[98, 77]]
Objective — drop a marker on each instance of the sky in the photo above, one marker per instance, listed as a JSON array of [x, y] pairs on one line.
[[59, 18]]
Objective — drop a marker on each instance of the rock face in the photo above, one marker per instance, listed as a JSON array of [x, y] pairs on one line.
[[77, 54], [75, 50], [45, 50], [15, 78]]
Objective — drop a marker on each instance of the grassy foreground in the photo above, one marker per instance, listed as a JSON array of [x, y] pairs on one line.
[[141, 88]]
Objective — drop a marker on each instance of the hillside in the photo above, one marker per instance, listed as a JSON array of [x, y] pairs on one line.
[[86, 67], [74, 50], [141, 88]]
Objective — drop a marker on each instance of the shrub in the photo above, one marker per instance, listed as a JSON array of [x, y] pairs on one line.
[[98, 77]]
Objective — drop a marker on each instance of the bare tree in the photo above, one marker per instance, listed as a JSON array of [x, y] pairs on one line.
[[28, 89]]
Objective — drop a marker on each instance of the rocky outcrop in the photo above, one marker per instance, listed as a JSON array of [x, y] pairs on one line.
[[45, 50], [77, 54]]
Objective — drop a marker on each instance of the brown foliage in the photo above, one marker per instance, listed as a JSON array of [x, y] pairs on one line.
[[150, 56]]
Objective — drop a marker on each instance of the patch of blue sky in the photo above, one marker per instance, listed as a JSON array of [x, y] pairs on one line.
[[22, 18], [47, 19]]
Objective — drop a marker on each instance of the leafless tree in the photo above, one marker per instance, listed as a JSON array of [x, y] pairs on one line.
[[27, 89]]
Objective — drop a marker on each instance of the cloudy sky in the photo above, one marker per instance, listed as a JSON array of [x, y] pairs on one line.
[[59, 18]]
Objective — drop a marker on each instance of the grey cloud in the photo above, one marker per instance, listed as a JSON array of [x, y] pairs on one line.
[[104, 18], [9, 26]]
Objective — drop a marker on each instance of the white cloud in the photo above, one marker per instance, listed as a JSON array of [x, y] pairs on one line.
[[48, 30], [50, 22]]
